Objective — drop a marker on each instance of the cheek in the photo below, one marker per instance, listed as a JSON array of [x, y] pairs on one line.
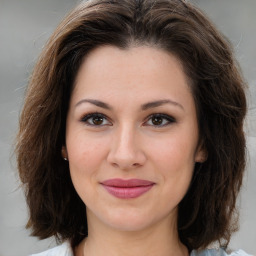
[[173, 159], [175, 165], [82, 147], [85, 157], [174, 151]]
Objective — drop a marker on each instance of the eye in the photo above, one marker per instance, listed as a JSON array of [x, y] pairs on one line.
[[159, 120], [95, 119]]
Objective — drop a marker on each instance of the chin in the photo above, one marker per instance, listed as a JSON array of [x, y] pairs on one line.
[[130, 221]]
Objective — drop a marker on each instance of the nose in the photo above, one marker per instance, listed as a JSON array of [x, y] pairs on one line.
[[126, 149]]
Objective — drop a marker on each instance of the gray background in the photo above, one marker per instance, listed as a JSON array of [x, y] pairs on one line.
[[25, 25]]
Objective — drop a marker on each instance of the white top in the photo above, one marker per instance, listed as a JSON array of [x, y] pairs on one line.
[[65, 250]]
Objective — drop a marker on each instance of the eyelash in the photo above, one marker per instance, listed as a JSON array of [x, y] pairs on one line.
[[94, 115], [168, 119]]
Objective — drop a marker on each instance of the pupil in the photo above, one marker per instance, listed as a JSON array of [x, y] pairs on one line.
[[97, 120], [157, 120]]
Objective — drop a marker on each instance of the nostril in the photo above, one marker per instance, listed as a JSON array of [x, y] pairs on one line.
[[123, 166], [115, 164]]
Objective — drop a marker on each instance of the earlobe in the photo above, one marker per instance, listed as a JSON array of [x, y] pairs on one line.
[[200, 159], [64, 153], [201, 154]]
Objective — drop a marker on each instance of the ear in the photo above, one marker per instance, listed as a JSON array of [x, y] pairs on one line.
[[201, 154], [64, 153]]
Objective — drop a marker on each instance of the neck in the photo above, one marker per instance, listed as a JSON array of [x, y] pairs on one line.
[[160, 239]]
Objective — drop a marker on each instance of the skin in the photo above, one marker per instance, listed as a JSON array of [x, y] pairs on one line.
[[125, 142]]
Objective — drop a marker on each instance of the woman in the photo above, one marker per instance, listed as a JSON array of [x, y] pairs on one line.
[[131, 137]]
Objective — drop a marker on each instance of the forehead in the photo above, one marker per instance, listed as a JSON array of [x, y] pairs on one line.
[[136, 72]]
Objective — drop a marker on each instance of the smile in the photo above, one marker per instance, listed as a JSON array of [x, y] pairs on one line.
[[127, 189]]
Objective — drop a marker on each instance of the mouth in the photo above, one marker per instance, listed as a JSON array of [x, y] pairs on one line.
[[126, 189]]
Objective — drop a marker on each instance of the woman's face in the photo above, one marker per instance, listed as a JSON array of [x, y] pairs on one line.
[[132, 137]]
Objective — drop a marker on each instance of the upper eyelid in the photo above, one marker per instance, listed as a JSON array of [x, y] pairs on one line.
[[170, 119], [91, 114], [87, 116], [167, 116]]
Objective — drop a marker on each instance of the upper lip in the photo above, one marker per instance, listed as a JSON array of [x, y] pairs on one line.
[[127, 183]]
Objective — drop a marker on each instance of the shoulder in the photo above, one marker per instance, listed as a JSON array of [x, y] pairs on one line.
[[61, 250], [218, 252]]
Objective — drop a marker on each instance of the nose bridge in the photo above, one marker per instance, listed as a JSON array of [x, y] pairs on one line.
[[125, 141], [125, 150]]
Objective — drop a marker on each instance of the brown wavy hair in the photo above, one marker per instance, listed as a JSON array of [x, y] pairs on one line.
[[206, 214]]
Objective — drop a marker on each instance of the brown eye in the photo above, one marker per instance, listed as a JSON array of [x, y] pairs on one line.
[[98, 120], [159, 120], [95, 119]]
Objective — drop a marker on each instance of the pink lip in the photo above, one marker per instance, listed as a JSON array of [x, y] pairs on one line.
[[126, 189]]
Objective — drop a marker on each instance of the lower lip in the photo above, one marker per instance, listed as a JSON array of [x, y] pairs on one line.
[[127, 192]]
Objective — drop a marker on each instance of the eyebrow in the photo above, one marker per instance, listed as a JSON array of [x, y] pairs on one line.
[[159, 103], [97, 103], [144, 107]]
